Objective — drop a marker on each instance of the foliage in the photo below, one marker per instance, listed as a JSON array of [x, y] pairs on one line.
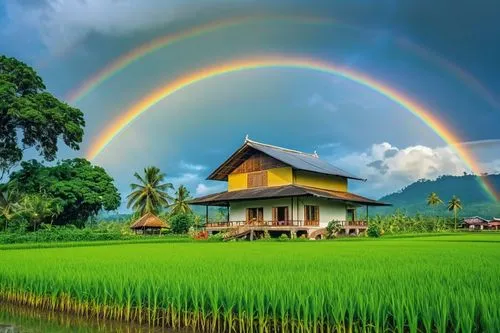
[[455, 205], [219, 237], [9, 205], [433, 199], [180, 204], [80, 188], [283, 237], [180, 223], [374, 231], [270, 286], [38, 208], [150, 195], [332, 229], [28, 110], [399, 222]]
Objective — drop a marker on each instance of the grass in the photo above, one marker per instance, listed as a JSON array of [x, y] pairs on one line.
[[408, 284]]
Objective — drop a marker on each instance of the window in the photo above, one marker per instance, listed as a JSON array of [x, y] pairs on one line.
[[257, 179], [255, 214], [311, 215]]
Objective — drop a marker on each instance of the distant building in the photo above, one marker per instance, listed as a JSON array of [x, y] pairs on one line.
[[477, 222], [280, 190]]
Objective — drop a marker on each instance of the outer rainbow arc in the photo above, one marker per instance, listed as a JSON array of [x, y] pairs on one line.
[[287, 62], [147, 48]]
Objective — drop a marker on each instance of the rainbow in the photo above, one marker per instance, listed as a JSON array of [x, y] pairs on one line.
[[437, 125], [149, 47]]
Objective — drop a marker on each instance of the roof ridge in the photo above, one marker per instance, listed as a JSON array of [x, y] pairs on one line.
[[281, 148]]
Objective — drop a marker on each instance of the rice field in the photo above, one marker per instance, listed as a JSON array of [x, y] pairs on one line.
[[441, 283]]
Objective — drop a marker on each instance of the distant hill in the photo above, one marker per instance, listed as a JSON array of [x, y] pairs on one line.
[[475, 201]]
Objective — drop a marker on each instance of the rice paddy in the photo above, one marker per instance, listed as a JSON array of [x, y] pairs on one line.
[[443, 283]]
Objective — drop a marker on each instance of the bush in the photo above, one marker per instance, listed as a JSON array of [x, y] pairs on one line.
[[180, 223], [283, 237], [332, 229], [374, 231]]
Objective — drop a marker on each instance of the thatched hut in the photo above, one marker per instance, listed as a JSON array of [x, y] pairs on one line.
[[148, 224]]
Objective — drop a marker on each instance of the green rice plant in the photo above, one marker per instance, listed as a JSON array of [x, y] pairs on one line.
[[383, 285]]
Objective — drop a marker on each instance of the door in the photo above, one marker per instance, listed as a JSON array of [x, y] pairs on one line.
[[280, 215]]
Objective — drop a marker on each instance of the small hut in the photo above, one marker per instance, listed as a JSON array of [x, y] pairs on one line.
[[148, 224]]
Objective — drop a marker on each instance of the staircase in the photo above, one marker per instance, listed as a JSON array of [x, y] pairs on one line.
[[237, 232]]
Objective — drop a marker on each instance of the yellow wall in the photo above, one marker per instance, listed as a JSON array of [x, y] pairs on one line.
[[275, 177], [237, 181], [279, 176], [326, 182]]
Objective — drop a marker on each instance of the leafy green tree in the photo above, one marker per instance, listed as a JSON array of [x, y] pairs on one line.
[[80, 188], [32, 117], [180, 204], [150, 195], [180, 223], [455, 205], [9, 204]]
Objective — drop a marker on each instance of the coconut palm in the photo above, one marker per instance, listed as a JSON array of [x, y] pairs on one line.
[[8, 204], [37, 208], [150, 195], [455, 205], [180, 204], [433, 200]]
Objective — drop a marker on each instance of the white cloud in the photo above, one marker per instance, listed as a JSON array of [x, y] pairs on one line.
[[62, 23], [187, 179], [318, 101], [389, 168], [192, 167], [329, 145], [203, 189]]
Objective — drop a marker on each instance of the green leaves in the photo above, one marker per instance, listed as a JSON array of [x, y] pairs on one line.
[[79, 187], [27, 110]]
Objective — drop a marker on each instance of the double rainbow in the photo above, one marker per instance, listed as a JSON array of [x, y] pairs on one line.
[[432, 121]]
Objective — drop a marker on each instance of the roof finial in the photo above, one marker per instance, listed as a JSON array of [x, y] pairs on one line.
[[246, 138], [315, 154]]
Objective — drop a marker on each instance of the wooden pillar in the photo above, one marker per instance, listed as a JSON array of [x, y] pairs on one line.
[[291, 208], [366, 213], [228, 219], [206, 215], [251, 235]]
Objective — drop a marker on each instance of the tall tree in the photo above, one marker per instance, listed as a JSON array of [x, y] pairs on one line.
[[37, 209], [32, 117], [150, 195], [181, 199], [455, 205], [82, 189], [9, 203]]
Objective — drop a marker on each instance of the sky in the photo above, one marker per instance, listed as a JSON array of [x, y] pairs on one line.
[[444, 59]]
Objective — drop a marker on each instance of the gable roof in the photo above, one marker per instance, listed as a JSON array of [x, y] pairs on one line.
[[296, 159], [149, 220]]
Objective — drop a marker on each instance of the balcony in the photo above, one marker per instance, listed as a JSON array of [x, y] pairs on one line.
[[281, 224]]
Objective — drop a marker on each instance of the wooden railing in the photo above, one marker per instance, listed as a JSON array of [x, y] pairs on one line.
[[288, 223]]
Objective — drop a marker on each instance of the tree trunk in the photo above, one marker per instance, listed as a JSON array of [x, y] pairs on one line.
[[455, 211]]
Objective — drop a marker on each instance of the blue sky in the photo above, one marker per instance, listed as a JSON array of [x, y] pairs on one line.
[[189, 133]]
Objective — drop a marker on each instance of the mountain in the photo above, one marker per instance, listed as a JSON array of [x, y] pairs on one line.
[[475, 200]]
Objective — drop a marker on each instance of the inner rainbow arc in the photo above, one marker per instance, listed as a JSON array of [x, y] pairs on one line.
[[432, 121]]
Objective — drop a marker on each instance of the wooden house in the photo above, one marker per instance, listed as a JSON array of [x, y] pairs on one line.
[[280, 190]]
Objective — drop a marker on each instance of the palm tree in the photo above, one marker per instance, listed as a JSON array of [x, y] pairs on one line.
[[150, 195], [454, 205], [8, 204], [37, 208], [433, 200], [180, 204]]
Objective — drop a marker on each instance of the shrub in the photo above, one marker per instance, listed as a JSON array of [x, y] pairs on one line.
[[374, 231], [332, 229], [180, 223], [283, 237]]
